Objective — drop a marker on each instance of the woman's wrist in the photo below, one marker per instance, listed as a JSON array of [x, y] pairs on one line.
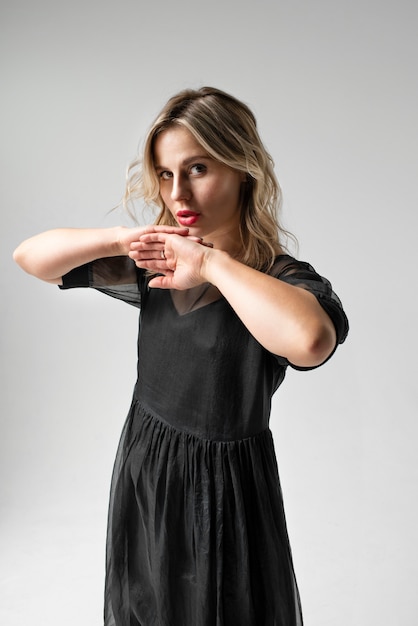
[[119, 244], [215, 261]]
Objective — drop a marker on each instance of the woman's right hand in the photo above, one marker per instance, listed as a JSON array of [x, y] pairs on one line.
[[127, 236], [52, 254]]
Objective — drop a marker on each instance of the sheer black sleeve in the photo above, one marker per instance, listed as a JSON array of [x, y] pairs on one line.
[[117, 277], [302, 274]]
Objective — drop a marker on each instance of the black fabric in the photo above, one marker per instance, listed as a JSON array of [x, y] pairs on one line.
[[197, 533], [115, 276], [302, 274], [78, 277]]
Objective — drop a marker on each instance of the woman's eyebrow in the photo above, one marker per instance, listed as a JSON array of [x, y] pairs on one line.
[[197, 157]]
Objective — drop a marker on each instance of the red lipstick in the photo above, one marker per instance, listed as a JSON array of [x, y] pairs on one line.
[[186, 217]]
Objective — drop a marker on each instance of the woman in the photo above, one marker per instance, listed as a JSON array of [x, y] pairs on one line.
[[197, 533]]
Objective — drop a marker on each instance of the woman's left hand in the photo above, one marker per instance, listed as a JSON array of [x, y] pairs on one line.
[[179, 259]]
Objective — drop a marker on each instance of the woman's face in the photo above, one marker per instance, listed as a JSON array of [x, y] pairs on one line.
[[200, 192]]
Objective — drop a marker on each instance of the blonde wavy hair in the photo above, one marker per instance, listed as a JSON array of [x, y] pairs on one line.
[[227, 130]]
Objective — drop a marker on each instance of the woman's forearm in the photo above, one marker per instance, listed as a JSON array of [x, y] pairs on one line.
[[285, 319], [52, 254]]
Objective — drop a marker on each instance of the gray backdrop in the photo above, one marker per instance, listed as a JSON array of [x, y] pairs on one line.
[[333, 85]]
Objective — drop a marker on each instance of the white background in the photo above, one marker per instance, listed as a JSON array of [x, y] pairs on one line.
[[333, 85]]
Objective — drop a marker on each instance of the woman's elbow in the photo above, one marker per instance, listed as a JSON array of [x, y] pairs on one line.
[[31, 265], [19, 257], [317, 345], [324, 344]]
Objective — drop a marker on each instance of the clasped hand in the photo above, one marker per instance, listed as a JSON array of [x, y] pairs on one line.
[[178, 258]]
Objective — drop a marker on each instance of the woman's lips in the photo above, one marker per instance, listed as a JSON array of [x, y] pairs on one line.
[[187, 218]]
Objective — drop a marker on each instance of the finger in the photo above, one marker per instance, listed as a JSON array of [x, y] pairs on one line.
[[161, 228], [147, 245], [153, 264], [150, 262], [147, 251], [154, 237], [161, 235], [162, 282], [196, 239], [157, 238], [149, 239], [152, 250]]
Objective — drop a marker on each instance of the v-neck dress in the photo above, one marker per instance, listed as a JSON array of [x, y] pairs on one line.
[[196, 532]]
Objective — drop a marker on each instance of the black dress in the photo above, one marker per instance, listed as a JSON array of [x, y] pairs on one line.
[[197, 532]]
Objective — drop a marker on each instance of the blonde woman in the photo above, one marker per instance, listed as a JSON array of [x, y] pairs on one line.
[[197, 533]]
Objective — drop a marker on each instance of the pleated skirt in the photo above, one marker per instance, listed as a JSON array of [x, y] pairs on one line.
[[196, 533]]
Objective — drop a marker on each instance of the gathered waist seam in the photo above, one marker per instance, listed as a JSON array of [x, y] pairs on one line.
[[139, 406]]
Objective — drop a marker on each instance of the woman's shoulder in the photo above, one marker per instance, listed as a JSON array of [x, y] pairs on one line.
[[285, 261]]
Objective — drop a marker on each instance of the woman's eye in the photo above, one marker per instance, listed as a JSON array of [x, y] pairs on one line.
[[198, 168], [165, 175]]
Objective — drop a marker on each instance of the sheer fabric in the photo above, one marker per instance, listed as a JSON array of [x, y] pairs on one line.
[[197, 532]]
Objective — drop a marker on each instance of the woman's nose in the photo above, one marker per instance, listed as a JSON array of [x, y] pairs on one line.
[[180, 189]]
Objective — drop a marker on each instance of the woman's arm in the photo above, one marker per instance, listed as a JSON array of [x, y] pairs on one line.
[[52, 254], [286, 320]]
